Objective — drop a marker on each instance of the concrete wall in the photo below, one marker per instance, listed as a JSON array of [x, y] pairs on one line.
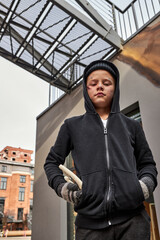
[[139, 83], [49, 213], [136, 88]]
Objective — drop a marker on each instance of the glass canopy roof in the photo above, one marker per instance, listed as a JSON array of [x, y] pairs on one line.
[[56, 39]]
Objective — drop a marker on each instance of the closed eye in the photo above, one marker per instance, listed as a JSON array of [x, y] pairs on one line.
[[107, 83], [92, 84]]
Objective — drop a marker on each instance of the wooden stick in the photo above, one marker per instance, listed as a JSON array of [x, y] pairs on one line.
[[69, 173]]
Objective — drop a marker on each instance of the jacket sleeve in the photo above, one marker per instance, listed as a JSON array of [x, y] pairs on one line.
[[57, 156], [146, 165]]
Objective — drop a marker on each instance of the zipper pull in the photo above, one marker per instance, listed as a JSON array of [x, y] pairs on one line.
[[105, 131]]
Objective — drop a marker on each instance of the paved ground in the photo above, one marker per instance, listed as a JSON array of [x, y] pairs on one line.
[[15, 238]]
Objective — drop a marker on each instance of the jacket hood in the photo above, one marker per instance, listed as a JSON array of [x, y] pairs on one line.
[[112, 69]]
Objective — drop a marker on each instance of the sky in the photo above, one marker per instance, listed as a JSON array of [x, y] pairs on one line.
[[23, 96]]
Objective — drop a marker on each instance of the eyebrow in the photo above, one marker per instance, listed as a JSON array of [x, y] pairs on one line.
[[108, 79]]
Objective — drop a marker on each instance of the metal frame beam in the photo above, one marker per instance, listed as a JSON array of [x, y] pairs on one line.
[[109, 36], [94, 14]]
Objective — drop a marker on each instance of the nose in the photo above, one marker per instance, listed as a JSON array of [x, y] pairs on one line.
[[100, 86]]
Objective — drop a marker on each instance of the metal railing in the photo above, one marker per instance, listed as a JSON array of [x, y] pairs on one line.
[[135, 16]]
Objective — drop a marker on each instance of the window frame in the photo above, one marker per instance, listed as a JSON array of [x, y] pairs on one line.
[[3, 184], [22, 179], [21, 194], [20, 214], [4, 168]]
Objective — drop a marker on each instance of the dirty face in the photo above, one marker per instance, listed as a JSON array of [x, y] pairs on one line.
[[100, 88]]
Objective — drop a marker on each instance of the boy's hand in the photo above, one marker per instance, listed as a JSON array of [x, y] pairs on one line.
[[147, 186], [69, 192]]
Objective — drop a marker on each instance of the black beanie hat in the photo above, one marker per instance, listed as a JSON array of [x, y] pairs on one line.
[[103, 65]]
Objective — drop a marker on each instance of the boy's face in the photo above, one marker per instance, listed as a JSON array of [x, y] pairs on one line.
[[100, 88]]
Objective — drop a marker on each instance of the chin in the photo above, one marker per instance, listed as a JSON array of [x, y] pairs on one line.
[[100, 105]]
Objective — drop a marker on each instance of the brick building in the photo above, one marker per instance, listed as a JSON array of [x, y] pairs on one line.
[[16, 188]]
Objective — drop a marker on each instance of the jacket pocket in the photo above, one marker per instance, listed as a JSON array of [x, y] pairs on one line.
[[127, 190], [92, 200]]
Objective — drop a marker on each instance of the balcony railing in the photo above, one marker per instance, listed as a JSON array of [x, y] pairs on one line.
[[134, 17]]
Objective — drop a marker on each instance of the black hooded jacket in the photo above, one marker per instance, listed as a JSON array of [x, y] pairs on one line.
[[109, 163]]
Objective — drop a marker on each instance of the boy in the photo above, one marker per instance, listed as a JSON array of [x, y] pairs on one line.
[[111, 157]]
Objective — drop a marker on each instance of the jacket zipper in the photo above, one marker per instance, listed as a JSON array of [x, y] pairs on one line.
[[108, 193]]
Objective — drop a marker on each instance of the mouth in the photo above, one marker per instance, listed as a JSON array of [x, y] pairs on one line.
[[100, 94]]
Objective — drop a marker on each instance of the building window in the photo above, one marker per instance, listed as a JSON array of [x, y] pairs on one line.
[[20, 214], [25, 160], [22, 179], [31, 206], [32, 171], [133, 112], [21, 193], [4, 168], [32, 185], [25, 155], [13, 159], [3, 184], [31, 203], [14, 153], [2, 201]]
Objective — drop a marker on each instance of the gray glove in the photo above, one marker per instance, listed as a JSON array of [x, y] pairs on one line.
[[147, 186], [69, 192]]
